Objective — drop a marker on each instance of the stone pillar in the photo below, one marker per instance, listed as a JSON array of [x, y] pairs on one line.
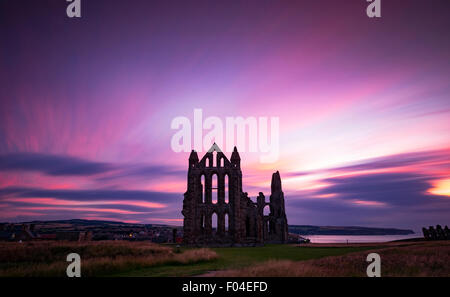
[[220, 189], [208, 190], [220, 223], [208, 223]]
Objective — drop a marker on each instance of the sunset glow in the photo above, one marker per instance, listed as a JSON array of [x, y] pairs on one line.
[[364, 108], [441, 187]]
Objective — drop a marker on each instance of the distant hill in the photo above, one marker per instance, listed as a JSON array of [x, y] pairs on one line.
[[80, 222], [350, 230], [96, 230], [85, 223], [296, 229]]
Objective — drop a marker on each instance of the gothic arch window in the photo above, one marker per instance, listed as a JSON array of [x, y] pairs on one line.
[[214, 222], [203, 182], [207, 162], [222, 162], [226, 188], [266, 211], [226, 222], [214, 188], [214, 159], [202, 222]]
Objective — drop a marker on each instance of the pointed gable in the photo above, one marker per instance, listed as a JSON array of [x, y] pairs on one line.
[[215, 147]]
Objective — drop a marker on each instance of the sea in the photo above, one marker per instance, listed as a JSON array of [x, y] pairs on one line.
[[357, 238]]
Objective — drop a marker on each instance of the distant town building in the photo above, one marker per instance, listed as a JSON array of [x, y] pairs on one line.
[[74, 235], [17, 232]]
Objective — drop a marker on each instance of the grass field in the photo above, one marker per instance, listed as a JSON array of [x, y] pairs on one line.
[[97, 258], [120, 258], [234, 258], [420, 259]]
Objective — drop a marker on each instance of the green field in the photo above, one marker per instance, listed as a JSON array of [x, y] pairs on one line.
[[126, 258], [238, 257]]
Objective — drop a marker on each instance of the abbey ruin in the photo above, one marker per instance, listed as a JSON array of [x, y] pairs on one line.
[[217, 211]]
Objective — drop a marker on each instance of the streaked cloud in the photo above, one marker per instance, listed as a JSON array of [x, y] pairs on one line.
[[56, 165], [363, 107]]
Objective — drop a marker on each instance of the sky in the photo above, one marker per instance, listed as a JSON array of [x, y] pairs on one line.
[[86, 106]]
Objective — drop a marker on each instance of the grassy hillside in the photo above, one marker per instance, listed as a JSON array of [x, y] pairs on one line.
[[415, 259], [232, 258], [97, 258], [123, 258]]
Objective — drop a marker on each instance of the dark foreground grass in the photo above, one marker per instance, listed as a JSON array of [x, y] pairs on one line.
[[421, 259], [121, 258], [37, 259], [239, 257]]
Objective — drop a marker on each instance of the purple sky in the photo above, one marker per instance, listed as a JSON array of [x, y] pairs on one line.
[[364, 104]]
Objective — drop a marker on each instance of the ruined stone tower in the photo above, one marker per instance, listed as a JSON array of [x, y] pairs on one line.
[[214, 194]]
